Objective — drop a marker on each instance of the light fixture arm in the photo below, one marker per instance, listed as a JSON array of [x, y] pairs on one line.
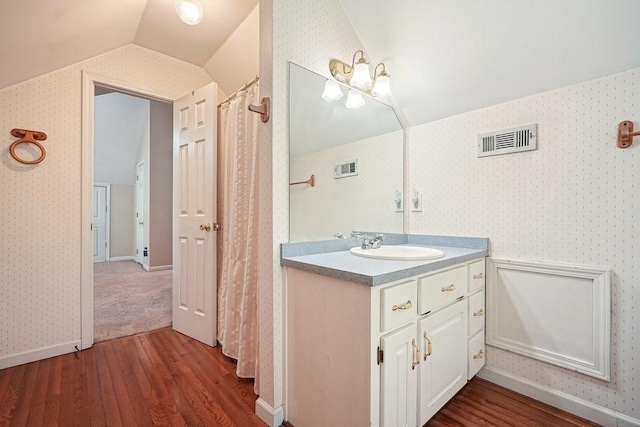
[[343, 72]]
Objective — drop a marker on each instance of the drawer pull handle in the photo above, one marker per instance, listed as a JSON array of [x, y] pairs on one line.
[[428, 346], [479, 313], [480, 355], [478, 276], [416, 357], [449, 288], [406, 306]]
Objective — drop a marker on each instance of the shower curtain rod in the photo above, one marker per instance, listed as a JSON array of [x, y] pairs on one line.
[[246, 86]]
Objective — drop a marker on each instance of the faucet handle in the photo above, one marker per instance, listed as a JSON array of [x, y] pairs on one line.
[[379, 237]]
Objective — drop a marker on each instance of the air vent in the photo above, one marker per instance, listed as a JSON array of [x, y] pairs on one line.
[[344, 170], [507, 141]]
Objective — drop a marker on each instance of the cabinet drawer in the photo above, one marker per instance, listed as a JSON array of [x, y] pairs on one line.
[[397, 305], [476, 312], [477, 354], [440, 289], [476, 275]]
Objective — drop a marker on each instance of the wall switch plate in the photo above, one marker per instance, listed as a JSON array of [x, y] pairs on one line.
[[398, 203], [416, 201]]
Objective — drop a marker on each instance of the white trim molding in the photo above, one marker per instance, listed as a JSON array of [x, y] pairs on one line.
[[158, 267], [122, 258], [533, 307], [558, 399], [39, 354], [273, 417]]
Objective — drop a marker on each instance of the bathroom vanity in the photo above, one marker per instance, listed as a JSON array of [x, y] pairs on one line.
[[379, 342]]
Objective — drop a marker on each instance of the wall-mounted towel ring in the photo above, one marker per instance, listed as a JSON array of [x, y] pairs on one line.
[[28, 137]]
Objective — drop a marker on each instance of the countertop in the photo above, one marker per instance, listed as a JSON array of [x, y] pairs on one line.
[[341, 264]]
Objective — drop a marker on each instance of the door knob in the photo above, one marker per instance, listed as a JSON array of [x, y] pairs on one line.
[[205, 227], [216, 226]]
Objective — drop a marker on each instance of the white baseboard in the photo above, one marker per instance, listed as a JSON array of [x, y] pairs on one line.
[[158, 267], [273, 417], [582, 408], [39, 354], [122, 258]]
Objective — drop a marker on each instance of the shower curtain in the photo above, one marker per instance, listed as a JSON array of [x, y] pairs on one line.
[[237, 245]]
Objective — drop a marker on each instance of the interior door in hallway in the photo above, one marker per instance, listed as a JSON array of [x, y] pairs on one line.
[[194, 214], [99, 224], [140, 213]]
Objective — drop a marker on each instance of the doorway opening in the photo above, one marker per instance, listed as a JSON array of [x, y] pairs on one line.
[[132, 281]]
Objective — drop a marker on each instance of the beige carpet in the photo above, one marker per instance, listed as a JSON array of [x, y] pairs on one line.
[[128, 300]]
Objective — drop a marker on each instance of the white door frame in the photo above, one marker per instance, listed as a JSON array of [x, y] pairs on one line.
[[89, 81], [107, 220], [139, 257]]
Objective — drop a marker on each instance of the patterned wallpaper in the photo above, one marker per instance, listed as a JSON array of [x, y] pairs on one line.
[[40, 204], [571, 201], [309, 33]]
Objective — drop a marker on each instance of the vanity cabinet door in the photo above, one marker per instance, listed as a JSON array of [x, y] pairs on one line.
[[443, 370], [398, 377]]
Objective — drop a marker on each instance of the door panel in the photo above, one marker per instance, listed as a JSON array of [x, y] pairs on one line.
[[444, 372], [194, 270], [398, 378], [99, 223]]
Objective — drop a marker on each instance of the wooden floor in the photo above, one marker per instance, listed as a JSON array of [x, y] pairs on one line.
[[155, 378], [164, 378], [481, 403]]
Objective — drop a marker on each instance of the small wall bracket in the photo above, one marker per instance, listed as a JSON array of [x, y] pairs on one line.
[[262, 109], [626, 134]]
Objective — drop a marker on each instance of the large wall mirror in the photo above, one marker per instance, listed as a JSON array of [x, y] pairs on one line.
[[354, 155]]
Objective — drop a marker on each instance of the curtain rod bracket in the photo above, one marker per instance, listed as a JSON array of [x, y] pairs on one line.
[[626, 134], [262, 109]]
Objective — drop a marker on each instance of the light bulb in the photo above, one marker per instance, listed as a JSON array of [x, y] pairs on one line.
[[382, 86], [361, 76], [190, 11], [332, 91], [354, 99]]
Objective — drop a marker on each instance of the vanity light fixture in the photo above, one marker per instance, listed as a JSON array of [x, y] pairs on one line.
[[358, 75], [190, 11], [354, 99]]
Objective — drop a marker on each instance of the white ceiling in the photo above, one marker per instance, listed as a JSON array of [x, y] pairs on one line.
[[445, 56], [39, 36]]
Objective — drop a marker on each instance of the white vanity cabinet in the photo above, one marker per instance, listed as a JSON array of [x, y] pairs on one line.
[[389, 355]]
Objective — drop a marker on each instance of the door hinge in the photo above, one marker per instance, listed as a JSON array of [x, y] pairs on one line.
[[105, 244], [136, 252], [380, 356]]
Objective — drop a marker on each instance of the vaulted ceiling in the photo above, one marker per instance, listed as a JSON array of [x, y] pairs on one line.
[[39, 36], [445, 57]]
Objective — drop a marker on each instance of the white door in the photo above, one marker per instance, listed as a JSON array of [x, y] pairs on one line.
[[194, 215], [99, 224], [444, 372], [398, 377], [140, 213]]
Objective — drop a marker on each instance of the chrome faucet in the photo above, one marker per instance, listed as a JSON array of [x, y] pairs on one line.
[[372, 242]]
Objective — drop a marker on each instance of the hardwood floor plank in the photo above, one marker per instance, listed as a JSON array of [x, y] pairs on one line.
[[108, 395], [94, 398], [25, 395], [11, 394]]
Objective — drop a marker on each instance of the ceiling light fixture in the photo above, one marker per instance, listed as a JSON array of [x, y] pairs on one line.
[[190, 11], [358, 75]]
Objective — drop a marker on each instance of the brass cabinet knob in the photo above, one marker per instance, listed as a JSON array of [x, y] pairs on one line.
[[216, 226]]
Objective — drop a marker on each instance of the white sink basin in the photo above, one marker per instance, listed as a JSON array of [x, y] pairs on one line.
[[408, 253]]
